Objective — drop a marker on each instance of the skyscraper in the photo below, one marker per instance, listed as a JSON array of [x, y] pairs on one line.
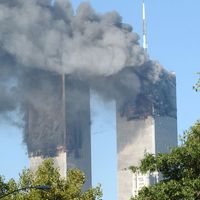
[[145, 127], [65, 138]]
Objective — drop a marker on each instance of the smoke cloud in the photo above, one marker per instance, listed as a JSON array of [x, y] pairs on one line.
[[38, 43], [58, 40]]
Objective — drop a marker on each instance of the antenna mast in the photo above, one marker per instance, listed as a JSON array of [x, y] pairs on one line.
[[144, 27], [63, 109]]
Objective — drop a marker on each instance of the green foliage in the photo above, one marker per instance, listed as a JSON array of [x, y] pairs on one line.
[[69, 188], [3, 186], [197, 85], [180, 169]]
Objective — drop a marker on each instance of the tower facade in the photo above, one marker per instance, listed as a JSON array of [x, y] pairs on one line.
[[59, 128], [153, 130], [78, 134]]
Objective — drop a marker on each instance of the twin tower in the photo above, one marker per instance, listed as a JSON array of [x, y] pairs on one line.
[[58, 126]]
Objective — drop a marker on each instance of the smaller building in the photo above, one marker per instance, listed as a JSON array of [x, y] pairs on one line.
[[141, 180]]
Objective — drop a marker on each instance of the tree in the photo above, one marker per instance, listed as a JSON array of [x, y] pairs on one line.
[[197, 85], [180, 169], [69, 188]]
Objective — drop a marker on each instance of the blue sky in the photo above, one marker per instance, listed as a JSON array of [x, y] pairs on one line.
[[174, 40]]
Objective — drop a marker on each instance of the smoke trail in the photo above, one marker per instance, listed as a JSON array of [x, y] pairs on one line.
[[38, 43]]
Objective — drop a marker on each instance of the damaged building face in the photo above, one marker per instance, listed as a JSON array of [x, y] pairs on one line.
[[51, 133], [44, 131], [146, 123], [154, 98]]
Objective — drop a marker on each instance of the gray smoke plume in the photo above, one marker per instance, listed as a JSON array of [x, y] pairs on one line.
[[55, 39], [38, 43]]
